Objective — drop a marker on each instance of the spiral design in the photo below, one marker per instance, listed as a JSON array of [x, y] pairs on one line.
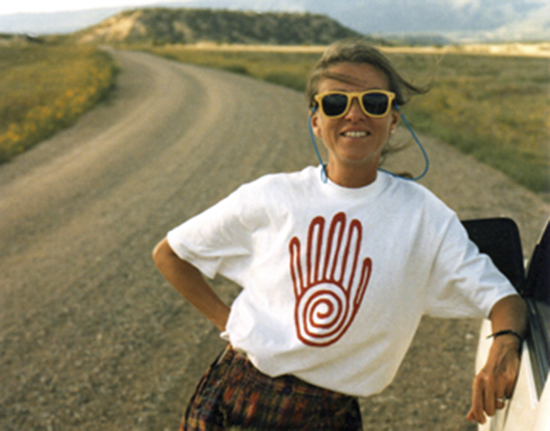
[[322, 314], [331, 289]]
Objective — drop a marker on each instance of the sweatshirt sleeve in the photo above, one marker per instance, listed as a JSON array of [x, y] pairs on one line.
[[463, 281], [218, 240]]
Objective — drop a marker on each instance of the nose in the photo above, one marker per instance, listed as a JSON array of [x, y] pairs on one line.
[[355, 111]]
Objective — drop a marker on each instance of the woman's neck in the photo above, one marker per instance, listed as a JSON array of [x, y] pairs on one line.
[[351, 176]]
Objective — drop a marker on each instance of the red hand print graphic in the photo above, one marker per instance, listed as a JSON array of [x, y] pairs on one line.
[[330, 293]]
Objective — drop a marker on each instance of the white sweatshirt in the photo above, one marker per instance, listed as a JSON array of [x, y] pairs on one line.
[[335, 280]]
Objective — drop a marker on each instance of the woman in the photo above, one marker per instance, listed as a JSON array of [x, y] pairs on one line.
[[338, 264]]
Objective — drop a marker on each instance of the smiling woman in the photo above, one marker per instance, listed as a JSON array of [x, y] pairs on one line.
[[336, 274]]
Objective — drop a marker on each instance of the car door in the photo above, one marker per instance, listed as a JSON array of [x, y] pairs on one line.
[[529, 407]]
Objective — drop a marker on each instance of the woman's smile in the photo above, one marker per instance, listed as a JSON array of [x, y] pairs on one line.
[[355, 134]]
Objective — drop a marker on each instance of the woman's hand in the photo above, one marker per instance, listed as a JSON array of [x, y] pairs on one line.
[[495, 382]]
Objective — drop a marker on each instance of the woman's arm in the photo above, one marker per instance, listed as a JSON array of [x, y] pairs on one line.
[[496, 380], [189, 282]]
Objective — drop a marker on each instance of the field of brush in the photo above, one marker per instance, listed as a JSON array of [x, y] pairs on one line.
[[45, 88], [495, 107]]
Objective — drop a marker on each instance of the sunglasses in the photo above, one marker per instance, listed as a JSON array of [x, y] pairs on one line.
[[374, 103]]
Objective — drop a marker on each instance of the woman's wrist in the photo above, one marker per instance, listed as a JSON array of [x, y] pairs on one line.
[[507, 339], [507, 332]]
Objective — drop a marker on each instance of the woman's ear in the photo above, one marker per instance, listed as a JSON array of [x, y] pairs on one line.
[[315, 123], [394, 120]]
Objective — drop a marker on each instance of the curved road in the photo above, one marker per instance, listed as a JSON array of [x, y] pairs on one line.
[[91, 337]]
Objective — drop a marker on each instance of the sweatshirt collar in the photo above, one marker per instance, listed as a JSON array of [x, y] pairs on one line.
[[331, 189]]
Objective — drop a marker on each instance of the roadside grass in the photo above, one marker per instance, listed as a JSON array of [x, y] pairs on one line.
[[46, 88], [496, 108]]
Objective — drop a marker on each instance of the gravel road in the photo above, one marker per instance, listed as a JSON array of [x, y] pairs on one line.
[[92, 338]]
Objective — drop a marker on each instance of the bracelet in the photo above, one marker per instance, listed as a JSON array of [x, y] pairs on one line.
[[507, 332]]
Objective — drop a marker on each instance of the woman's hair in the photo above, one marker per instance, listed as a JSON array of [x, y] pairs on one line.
[[361, 52]]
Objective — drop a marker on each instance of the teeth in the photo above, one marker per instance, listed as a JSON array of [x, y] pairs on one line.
[[355, 134]]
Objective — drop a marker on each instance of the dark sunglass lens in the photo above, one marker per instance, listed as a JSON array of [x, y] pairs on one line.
[[334, 104], [376, 103]]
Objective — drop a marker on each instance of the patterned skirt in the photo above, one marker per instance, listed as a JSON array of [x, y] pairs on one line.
[[234, 395]]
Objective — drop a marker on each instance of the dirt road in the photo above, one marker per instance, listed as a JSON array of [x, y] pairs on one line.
[[92, 338]]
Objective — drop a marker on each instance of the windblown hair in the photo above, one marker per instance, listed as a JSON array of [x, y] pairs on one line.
[[362, 52]]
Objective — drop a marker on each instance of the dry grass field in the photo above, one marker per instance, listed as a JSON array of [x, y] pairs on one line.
[[45, 88]]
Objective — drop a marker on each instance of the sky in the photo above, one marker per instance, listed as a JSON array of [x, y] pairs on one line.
[[40, 6], [31, 6]]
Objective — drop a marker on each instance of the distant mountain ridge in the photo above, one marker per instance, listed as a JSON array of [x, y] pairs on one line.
[[456, 19], [423, 20], [164, 25]]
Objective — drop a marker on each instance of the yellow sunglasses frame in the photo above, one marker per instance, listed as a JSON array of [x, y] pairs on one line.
[[355, 95]]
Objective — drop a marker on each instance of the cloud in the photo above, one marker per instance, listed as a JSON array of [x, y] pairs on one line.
[[464, 3]]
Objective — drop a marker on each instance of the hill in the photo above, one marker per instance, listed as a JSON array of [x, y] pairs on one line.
[[168, 26], [17, 39]]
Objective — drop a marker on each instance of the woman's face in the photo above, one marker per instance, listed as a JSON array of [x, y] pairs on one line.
[[354, 141]]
